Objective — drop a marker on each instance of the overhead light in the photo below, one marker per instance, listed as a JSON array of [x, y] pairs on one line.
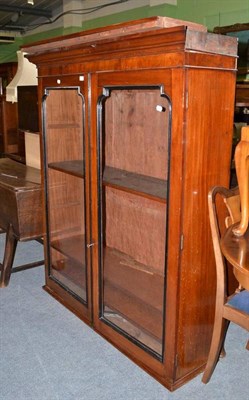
[[14, 17], [30, 2], [6, 39]]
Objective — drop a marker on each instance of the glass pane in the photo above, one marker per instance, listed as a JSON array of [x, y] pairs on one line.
[[65, 188], [134, 204]]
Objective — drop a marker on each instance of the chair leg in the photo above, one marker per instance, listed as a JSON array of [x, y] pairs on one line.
[[9, 254], [219, 333], [247, 345], [223, 352]]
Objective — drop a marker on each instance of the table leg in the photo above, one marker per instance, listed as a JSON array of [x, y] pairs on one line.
[[9, 254]]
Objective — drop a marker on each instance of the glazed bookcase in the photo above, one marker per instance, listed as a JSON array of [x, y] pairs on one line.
[[137, 126]]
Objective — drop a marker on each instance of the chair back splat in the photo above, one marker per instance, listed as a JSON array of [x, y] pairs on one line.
[[235, 307]]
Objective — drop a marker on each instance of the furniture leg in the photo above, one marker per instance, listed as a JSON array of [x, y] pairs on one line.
[[9, 254], [223, 352], [220, 328]]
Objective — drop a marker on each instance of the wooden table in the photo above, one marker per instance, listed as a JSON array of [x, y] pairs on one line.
[[236, 251], [20, 211]]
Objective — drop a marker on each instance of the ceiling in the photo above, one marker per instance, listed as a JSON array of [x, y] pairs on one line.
[[18, 17]]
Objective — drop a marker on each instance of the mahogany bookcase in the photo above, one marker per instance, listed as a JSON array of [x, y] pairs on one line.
[[137, 123]]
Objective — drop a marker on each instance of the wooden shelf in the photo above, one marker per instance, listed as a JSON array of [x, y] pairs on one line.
[[72, 167], [72, 247], [142, 185], [122, 270], [133, 330], [64, 125], [127, 281], [70, 269], [71, 275], [15, 157]]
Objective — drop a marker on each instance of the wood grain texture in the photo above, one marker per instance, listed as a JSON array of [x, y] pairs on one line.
[[136, 133], [66, 188], [114, 31], [225, 310], [236, 251], [136, 226], [8, 126], [242, 172], [197, 72], [203, 168], [142, 185], [20, 192]]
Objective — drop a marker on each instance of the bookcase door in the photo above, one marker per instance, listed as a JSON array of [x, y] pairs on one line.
[[64, 144], [134, 139]]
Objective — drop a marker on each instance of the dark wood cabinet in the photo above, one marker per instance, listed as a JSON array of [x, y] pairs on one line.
[[16, 118], [28, 119], [8, 126], [8, 112], [137, 126], [7, 73]]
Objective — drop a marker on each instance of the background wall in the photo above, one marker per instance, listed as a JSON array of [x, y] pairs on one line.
[[211, 13]]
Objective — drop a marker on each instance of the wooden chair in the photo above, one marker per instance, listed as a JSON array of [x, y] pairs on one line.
[[242, 171], [235, 307]]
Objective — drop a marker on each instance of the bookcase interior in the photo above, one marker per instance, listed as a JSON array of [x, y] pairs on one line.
[[65, 184], [134, 170]]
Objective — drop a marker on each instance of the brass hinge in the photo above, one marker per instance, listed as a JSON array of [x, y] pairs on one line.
[[186, 100], [176, 360], [181, 242]]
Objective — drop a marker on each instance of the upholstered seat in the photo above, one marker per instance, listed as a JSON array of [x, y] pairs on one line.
[[240, 301]]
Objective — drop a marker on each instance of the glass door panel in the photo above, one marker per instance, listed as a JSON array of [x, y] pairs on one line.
[[65, 188], [134, 142]]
